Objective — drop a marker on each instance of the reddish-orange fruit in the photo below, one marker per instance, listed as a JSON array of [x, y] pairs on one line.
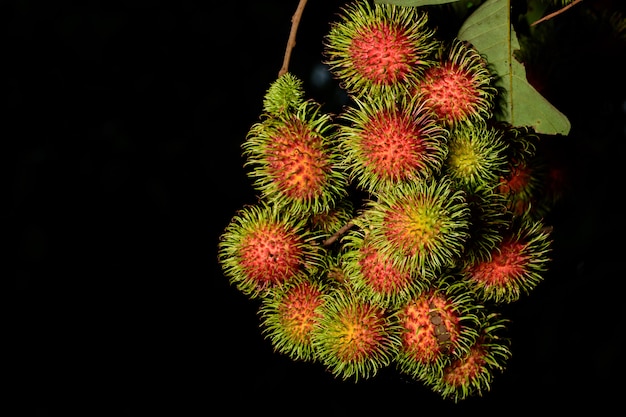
[[460, 88], [380, 48], [263, 248]]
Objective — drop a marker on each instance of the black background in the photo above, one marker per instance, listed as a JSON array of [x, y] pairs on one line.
[[122, 134]]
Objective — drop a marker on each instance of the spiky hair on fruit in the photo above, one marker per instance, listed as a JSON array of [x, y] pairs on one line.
[[375, 277], [489, 220], [284, 94], [264, 247], [515, 266], [420, 226], [289, 314], [460, 88], [437, 326], [293, 159], [476, 156], [354, 338], [379, 49], [330, 221], [526, 178], [472, 373], [388, 140]]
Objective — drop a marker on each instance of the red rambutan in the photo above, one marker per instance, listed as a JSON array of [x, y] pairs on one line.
[[460, 88], [263, 247], [436, 326], [515, 266], [379, 49], [289, 315], [354, 338], [391, 140]]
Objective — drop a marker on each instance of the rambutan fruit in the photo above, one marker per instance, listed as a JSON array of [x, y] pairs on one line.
[[264, 247], [374, 277], [284, 94], [460, 88], [390, 140], [420, 226], [472, 372], [515, 266], [476, 156], [294, 159], [354, 338], [289, 315], [436, 326], [488, 222], [379, 49]]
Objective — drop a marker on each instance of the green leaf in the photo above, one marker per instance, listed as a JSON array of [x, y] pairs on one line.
[[490, 30], [414, 3]]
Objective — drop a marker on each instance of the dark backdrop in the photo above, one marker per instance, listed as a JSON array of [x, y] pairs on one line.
[[121, 135]]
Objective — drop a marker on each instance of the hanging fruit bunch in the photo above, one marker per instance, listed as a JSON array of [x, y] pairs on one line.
[[391, 233]]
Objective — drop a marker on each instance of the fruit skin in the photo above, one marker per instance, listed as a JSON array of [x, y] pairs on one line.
[[372, 276], [264, 247], [293, 160], [515, 266], [390, 140], [421, 226], [460, 87], [472, 373], [379, 49], [285, 94], [437, 326], [288, 317], [477, 156], [355, 338]]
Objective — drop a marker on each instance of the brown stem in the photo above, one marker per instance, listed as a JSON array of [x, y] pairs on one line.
[[558, 12], [337, 234], [291, 43]]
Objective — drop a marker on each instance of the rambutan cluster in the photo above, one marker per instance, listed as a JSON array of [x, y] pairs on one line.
[[451, 226]]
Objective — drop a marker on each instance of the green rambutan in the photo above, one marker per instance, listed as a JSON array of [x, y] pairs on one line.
[[354, 338], [264, 247], [289, 315], [515, 266], [420, 226], [294, 159], [460, 88], [374, 277], [379, 49], [284, 94], [390, 140], [436, 326], [472, 372], [476, 156]]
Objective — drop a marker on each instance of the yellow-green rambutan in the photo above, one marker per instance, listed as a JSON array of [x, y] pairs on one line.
[[515, 266], [476, 156], [437, 326], [375, 277], [289, 315], [472, 372], [285, 94], [294, 161], [460, 88], [264, 247], [379, 49], [354, 338], [421, 226], [389, 140]]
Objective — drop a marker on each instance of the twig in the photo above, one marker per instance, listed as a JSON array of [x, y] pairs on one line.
[[291, 43], [558, 12], [338, 233]]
